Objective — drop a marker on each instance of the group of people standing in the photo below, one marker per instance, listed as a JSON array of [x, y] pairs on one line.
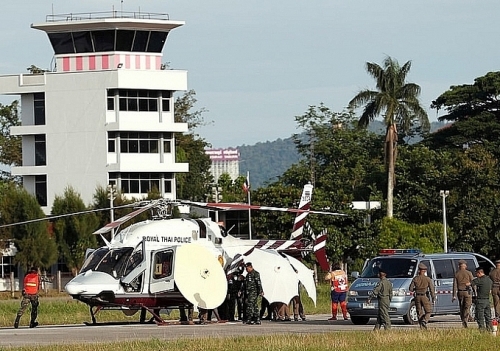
[[243, 294], [465, 286]]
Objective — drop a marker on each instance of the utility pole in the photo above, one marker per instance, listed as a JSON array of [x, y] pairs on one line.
[[112, 197], [444, 194]]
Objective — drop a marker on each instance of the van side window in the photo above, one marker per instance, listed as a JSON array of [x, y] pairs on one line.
[[471, 265], [444, 269], [429, 268]]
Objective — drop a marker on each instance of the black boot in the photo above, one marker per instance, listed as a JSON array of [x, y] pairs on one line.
[[33, 324], [16, 323]]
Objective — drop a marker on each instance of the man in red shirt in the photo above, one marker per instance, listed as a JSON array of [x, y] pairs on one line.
[[30, 295]]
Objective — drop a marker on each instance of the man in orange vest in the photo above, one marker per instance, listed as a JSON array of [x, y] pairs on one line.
[[30, 295], [339, 282]]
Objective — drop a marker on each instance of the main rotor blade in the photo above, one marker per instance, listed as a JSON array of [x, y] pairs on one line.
[[238, 206], [49, 218], [108, 227]]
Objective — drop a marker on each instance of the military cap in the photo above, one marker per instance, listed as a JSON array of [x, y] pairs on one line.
[[248, 264], [479, 269], [497, 262], [422, 266], [462, 262]]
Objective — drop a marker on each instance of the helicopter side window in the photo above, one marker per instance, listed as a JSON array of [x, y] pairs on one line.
[[134, 260], [163, 264]]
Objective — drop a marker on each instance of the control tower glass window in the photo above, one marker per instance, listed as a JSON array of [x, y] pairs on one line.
[[108, 40], [83, 42], [104, 40], [124, 40], [156, 41], [140, 41], [62, 43]]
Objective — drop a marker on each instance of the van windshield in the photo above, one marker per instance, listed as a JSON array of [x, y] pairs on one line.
[[394, 267]]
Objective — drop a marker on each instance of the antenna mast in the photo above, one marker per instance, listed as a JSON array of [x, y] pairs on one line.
[[311, 156]]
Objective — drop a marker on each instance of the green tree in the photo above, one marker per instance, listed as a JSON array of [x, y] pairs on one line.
[[73, 233], [190, 147], [396, 234], [35, 246], [474, 110], [102, 201], [422, 173], [398, 102], [345, 164], [10, 146], [36, 70]]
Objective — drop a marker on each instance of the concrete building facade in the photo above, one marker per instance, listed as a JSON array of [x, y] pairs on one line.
[[224, 161], [105, 114]]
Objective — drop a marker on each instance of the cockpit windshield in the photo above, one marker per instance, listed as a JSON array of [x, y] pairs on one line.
[[393, 267], [115, 262]]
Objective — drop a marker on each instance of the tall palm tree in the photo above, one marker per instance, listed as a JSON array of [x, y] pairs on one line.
[[398, 103]]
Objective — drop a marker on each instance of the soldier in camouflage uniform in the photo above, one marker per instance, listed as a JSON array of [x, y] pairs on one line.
[[253, 289], [383, 291]]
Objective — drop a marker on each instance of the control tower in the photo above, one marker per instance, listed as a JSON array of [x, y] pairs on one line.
[[105, 114]]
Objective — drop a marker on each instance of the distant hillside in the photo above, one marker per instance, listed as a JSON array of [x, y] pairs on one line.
[[267, 160]]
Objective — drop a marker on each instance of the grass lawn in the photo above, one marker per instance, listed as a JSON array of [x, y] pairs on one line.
[[397, 340]]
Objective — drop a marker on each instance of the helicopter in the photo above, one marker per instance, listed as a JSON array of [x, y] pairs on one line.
[[181, 263], [170, 263]]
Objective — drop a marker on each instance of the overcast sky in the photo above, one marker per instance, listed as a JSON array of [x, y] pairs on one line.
[[256, 64]]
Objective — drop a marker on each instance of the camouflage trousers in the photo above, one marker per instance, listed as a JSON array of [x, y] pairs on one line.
[[27, 299], [252, 308]]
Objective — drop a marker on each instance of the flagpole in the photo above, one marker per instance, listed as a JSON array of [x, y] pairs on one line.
[[249, 210]]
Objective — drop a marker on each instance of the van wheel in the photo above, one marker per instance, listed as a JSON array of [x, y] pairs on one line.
[[411, 317], [360, 320]]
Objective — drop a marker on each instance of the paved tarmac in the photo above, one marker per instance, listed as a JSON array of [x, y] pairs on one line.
[[79, 333]]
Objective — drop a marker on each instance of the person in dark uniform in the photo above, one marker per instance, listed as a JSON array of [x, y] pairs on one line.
[[265, 308], [186, 318], [240, 301], [482, 286], [383, 292], [253, 289], [463, 291], [232, 292], [30, 295], [495, 292], [422, 286]]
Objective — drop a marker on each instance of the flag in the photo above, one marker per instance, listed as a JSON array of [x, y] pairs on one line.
[[246, 185]]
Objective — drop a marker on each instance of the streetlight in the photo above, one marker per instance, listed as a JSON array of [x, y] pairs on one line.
[[111, 194], [217, 196], [444, 194]]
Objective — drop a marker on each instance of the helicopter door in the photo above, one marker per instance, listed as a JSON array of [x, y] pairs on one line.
[[162, 271]]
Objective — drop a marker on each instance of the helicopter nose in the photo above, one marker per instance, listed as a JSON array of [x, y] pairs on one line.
[[91, 283], [74, 288]]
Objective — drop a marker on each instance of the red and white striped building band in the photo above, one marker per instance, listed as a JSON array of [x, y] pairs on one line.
[[98, 62]]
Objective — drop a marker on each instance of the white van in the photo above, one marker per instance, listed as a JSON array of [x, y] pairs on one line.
[[401, 267]]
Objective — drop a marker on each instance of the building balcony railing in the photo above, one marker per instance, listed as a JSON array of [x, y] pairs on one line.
[[84, 16]]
